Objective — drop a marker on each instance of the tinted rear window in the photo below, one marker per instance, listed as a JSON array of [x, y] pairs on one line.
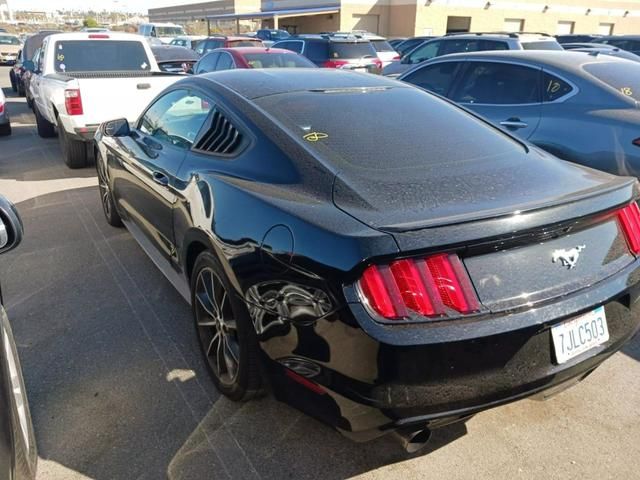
[[352, 133], [623, 76], [351, 50], [542, 45], [277, 60], [382, 46], [100, 56]]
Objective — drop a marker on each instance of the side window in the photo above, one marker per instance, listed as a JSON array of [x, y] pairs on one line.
[[212, 45], [153, 32], [554, 88], [293, 46], [435, 78], [493, 45], [498, 84], [207, 63], [426, 51], [225, 62], [176, 118], [458, 46], [316, 51], [40, 63]]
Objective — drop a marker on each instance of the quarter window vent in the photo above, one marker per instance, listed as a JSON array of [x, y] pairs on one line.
[[222, 138]]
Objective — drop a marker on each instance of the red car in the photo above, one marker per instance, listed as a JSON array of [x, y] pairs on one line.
[[250, 57]]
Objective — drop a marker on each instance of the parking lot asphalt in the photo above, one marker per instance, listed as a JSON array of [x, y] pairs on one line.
[[118, 390]]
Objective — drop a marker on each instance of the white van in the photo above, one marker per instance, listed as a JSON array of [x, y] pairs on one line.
[[165, 32]]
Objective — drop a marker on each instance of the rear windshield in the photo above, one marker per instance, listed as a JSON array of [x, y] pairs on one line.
[[100, 56], [382, 46], [623, 76], [277, 60], [9, 40], [346, 127], [542, 45], [169, 31], [351, 50], [245, 43]]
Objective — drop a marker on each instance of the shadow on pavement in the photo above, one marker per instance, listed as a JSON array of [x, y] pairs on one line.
[[633, 348], [113, 371]]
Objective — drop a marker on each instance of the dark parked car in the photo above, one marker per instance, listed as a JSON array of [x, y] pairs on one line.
[[250, 57], [270, 36], [385, 276], [470, 42], [394, 42], [631, 43], [18, 453], [576, 38], [409, 44], [578, 106], [329, 51], [209, 44], [602, 49], [18, 72], [174, 59]]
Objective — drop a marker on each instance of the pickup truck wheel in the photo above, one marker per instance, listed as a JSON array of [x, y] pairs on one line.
[[106, 197], [45, 128], [5, 130], [20, 88], [29, 102], [12, 77], [74, 152], [24, 448]]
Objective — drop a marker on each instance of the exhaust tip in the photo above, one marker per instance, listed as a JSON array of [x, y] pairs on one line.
[[413, 441]]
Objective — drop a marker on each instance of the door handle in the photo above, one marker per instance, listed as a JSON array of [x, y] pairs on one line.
[[514, 124], [160, 178]]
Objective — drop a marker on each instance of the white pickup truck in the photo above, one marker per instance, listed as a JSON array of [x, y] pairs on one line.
[[84, 79]]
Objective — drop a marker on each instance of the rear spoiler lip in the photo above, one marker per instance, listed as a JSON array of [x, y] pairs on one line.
[[618, 188]]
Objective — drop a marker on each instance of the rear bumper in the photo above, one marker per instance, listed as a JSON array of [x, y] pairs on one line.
[[378, 378], [85, 134]]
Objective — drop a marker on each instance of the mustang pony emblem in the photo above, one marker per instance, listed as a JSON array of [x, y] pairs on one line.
[[568, 258]]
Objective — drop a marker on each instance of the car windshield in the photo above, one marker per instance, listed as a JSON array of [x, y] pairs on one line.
[[542, 45], [100, 56], [9, 40], [623, 76], [396, 140], [351, 50], [245, 42], [169, 31], [382, 46], [277, 60]]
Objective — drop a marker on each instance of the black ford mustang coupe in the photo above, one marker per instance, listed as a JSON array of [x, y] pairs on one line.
[[388, 261]]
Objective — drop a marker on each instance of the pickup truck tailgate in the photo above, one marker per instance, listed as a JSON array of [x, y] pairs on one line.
[[109, 97]]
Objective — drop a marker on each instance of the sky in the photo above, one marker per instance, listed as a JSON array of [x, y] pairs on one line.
[[126, 5]]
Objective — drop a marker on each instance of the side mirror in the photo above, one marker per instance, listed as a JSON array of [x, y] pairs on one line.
[[11, 229], [116, 128], [29, 66]]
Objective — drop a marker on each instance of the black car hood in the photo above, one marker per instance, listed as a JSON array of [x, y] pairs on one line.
[[439, 195]]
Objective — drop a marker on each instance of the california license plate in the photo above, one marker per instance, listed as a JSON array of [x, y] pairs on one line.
[[576, 336]]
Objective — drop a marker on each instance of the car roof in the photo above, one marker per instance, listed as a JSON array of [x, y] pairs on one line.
[[230, 37], [257, 83], [621, 37], [558, 59], [167, 53]]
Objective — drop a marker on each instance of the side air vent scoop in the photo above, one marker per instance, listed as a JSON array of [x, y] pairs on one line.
[[222, 138]]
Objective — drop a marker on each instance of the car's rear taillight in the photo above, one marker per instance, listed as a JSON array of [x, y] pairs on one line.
[[73, 101], [97, 36], [1, 107], [397, 57], [629, 218], [435, 286], [335, 63], [636, 142]]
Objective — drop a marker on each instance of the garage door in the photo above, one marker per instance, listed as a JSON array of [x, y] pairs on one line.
[[370, 23]]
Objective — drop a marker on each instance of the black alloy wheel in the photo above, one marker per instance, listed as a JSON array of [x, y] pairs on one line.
[[106, 198]]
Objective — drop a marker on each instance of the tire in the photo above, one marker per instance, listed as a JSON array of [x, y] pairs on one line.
[[45, 128], [25, 451], [14, 85], [245, 381], [74, 152], [29, 102], [106, 197], [20, 89], [5, 130]]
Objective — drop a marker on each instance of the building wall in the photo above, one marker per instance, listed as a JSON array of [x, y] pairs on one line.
[[421, 17]]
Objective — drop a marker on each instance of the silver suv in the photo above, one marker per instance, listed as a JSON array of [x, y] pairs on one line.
[[471, 42]]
